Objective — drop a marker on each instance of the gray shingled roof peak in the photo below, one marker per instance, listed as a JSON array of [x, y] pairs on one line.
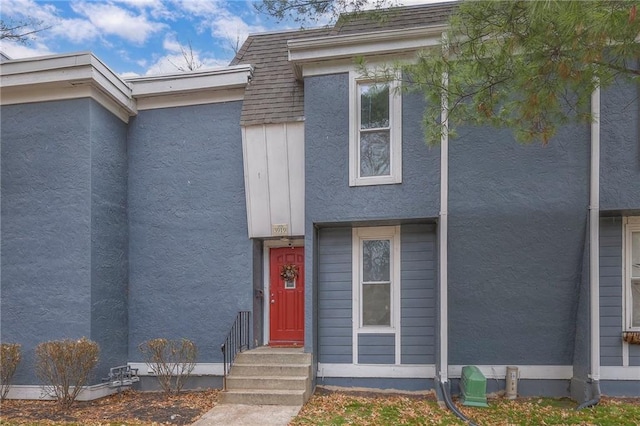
[[275, 95]]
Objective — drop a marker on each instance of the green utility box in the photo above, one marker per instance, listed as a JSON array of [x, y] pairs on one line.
[[473, 387]]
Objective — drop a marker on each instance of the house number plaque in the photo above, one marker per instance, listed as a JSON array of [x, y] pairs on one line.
[[280, 230]]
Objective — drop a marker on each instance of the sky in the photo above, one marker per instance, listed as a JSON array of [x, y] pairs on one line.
[[142, 37]]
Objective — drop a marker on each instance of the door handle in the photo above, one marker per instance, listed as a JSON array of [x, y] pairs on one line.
[[273, 301]]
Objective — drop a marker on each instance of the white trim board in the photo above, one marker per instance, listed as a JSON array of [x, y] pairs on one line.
[[201, 369], [537, 372], [88, 393], [620, 373], [428, 371], [406, 371]]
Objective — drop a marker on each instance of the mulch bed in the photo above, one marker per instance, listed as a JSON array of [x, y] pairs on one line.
[[129, 407]]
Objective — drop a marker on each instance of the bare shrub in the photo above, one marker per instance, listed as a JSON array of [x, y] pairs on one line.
[[10, 357], [172, 361], [64, 366]]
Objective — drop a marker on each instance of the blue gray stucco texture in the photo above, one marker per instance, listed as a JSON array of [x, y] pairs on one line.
[[620, 147], [517, 220], [190, 258], [64, 268]]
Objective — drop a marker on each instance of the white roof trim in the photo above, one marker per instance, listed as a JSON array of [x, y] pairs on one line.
[[23, 80], [82, 75], [371, 43], [175, 84]]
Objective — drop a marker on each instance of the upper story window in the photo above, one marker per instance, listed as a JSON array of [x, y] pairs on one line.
[[632, 274], [375, 148]]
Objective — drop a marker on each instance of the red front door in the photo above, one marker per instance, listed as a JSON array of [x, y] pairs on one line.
[[286, 282]]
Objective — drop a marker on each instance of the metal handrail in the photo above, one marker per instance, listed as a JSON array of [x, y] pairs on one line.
[[237, 341]]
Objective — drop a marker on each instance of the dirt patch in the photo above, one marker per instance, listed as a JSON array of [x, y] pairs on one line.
[[129, 407]]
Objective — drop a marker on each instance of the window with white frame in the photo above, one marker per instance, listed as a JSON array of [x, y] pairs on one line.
[[376, 266], [375, 146], [632, 274]]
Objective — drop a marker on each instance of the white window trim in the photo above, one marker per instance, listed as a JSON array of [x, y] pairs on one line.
[[374, 233], [395, 125], [631, 224]]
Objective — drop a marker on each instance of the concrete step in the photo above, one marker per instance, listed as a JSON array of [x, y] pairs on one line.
[[267, 382], [287, 370], [273, 357], [263, 397]]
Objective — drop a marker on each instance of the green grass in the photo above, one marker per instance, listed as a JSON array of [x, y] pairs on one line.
[[338, 408]]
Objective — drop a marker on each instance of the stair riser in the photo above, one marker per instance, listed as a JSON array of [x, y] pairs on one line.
[[270, 370], [235, 382], [262, 399], [273, 358]]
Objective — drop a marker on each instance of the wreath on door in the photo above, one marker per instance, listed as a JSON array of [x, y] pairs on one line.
[[289, 272]]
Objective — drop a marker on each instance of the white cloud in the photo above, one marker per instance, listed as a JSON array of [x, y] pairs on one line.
[[171, 44], [114, 20], [75, 30], [19, 51], [232, 29]]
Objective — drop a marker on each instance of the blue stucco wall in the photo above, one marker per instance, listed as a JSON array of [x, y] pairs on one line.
[[329, 198], [517, 216], [620, 147], [63, 228], [190, 261], [109, 238]]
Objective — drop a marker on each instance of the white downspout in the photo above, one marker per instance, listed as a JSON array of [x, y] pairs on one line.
[[443, 237], [594, 235]]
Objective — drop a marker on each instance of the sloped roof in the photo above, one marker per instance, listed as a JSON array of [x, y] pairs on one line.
[[275, 96], [394, 18]]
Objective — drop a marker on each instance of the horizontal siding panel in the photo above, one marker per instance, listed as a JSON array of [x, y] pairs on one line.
[[608, 361], [419, 313], [376, 359], [333, 304], [332, 280], [417, 331], [611, 322], [335, 359], [417, 340], [421, 293], [419, 350], [335, 350], [613, 341], [412, 284], [610, 271], [376, 339], [336, 341], [334, 322], [416, 322], [610, 311], [325, 295], [610, 281], [611, 291], [331, 268], [611, 261], [336, 332], [417, 359], [612, 302], [418, 275]]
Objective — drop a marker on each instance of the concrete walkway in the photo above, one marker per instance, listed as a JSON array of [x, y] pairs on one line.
[[248, 415]]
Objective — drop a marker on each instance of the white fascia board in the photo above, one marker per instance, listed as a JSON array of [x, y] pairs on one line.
[[174, 84], [363, 44], [47, 77], [536, 372], [404, 371], [200, 369]]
